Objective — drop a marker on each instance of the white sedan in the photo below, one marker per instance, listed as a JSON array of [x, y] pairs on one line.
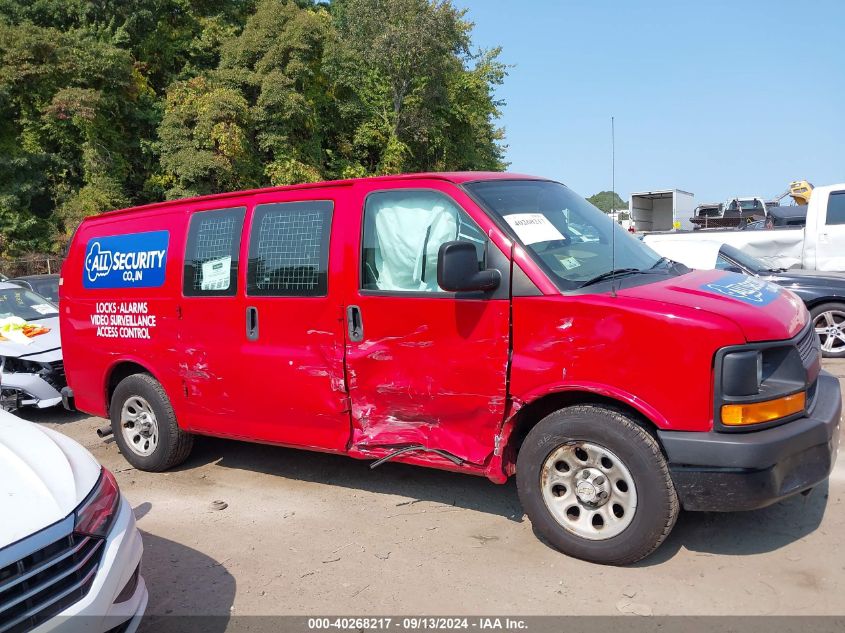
[[32, 368], [70, 553]]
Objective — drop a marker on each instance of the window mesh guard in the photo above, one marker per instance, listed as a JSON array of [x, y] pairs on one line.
[[214, 241]]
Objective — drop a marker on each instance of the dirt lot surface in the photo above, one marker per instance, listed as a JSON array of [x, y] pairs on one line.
[[307, 533]]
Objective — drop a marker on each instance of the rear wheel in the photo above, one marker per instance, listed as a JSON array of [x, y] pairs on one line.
[[145, 427], [596, 486], [829, 321]]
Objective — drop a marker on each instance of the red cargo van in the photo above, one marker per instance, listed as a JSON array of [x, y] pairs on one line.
[[485, 323]]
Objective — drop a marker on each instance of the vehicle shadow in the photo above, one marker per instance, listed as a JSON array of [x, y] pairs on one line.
[[53, 415], [183, 582], [744, 533], [425, 484]]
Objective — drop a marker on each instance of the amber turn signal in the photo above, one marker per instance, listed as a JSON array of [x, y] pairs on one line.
[[759, 412]]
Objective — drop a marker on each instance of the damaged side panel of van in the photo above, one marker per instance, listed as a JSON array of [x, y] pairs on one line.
[[435, 382], [429, 371]]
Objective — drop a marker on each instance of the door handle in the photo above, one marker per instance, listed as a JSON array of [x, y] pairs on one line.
[[252, 323], [354, 324]]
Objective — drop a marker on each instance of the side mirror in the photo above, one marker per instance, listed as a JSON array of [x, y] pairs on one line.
[[457, 269]]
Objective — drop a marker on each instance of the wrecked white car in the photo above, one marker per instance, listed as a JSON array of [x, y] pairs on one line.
[[30, 349]]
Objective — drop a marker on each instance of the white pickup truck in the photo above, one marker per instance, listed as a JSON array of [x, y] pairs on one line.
[[820, 245]]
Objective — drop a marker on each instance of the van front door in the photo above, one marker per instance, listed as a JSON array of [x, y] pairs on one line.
[[426, 368]]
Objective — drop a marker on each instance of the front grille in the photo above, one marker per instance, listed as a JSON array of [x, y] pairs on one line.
[[56, 375], [45, 583], [809, 347]]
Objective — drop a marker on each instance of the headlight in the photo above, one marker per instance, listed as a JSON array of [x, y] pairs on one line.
[[13, 365], [742, 373], [757, 384], [95, 515]]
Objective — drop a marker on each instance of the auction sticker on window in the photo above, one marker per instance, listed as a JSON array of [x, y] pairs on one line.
[[533, 228], [569, 262], [216, 274], [44, 308], [134, 260]]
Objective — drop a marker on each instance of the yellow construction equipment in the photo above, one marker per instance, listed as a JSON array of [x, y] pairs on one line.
[[800, 191]]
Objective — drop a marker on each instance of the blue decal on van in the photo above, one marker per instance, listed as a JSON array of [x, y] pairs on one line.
[[744, 288], [134, 260]]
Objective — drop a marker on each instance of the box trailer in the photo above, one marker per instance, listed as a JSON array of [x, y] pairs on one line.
[[662, 210]]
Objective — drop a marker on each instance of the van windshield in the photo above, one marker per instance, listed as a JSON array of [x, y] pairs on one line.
[[570, 237]]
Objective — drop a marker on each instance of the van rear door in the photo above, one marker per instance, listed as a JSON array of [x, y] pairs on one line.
[[211, 328]]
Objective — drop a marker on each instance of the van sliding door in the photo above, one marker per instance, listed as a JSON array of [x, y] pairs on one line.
[[290, 359]]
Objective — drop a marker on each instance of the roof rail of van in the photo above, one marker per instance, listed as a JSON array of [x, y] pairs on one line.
[[457, 177]]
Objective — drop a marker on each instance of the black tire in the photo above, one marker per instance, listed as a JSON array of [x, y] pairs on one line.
[[657, 504], [818, 311], [174, 444]]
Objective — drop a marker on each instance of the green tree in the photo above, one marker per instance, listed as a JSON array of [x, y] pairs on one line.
[[608, 201], [206, 137], [420, 99], [277, 64], [111, 103], [66, 107]]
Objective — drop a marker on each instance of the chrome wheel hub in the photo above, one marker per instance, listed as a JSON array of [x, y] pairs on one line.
[[591, 487], [139, 426], [588, 490]]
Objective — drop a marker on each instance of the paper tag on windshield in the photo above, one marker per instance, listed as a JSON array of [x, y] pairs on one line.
[[216, 273], [533, 228], [44, 308], [569, 262]]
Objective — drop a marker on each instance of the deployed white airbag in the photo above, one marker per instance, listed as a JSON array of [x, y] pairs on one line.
[[408, 237]]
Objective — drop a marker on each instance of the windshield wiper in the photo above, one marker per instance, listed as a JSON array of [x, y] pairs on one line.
[[610, 274], [660, 262]]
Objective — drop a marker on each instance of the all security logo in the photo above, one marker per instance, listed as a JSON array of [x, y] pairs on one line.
[[134, 260], [97, 262], [744, 288]]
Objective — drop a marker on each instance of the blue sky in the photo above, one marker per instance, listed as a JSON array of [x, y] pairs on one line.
[[719, 98]]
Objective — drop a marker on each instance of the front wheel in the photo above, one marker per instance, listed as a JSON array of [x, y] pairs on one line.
[[145, 427], [596, 486], [829, 321]]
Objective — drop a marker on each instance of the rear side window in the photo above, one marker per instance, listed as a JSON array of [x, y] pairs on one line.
[[289, 249], [836, 208], [211, 254]]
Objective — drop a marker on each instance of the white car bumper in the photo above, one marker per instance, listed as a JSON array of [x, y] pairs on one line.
[[97, 612], [32, 388]]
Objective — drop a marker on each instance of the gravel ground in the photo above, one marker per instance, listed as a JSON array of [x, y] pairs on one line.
[[307, 533]]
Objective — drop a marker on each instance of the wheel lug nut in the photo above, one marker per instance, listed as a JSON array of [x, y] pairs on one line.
[[603, 495], [599, 480]]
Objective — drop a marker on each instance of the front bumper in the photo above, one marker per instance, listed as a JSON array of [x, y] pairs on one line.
[[743, 471], [30, 390], [97, 612]]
